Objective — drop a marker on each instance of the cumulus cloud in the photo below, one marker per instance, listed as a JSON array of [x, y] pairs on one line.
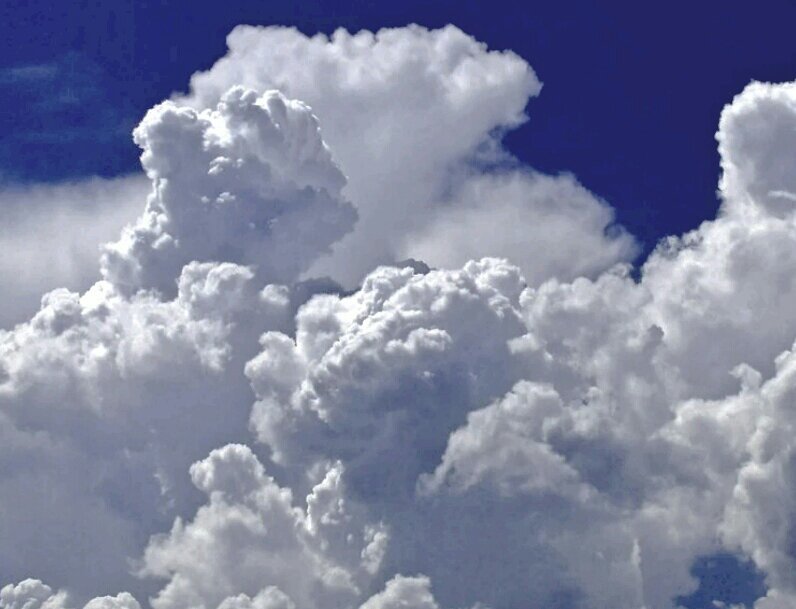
[[402, 591], [206, 428], [108, 396], [31, 594], [250, 532], [250, 181], [369, 371], [415, 119], [98, 392]]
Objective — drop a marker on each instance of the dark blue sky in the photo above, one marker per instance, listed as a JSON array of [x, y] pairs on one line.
[[632, 90]]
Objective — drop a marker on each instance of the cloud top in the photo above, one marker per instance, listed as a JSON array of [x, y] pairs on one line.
[[247, 182]]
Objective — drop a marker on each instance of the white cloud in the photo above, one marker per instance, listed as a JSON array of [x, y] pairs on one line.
[[30, 594], [97, 392], [400, 592], [250, 182], [507, 434], [621, 439], [270, 598], [33, 594], [368, 372], [123, 600], [250, 532], [505, 444], [107, 397], [411, 114]]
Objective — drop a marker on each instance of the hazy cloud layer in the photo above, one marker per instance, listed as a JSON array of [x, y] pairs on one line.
[[50, 236], [202, 429]]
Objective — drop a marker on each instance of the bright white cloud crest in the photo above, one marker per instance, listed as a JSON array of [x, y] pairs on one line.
[[204, 428], [407, 113]]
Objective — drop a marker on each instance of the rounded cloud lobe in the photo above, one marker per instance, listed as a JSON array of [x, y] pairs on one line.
[[526, 424]]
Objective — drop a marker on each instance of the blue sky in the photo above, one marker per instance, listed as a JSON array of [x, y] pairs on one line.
[[631, 99], [630, 104]]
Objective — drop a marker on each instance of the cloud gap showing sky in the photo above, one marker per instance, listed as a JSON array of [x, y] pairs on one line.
[[339, 348]]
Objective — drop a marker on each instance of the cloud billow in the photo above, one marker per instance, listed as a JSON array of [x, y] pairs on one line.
[[248, 182], [525, 423]]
